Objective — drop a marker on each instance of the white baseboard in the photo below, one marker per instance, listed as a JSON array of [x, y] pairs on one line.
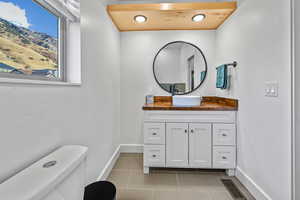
[[131, 148], [253, 188], [122, 148], [109, 165]]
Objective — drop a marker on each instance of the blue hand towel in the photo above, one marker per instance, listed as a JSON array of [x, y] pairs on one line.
[[222, 77], [203, 74]]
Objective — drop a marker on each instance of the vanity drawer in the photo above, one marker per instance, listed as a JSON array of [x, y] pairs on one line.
[[224, 134], [154, 133], [224, 157], [154, 156]]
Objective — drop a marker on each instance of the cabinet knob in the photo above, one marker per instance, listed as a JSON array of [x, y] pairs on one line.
[[185, 131], [224, 157], [154, 156], [224, 134], [192, 130], [154, 133]]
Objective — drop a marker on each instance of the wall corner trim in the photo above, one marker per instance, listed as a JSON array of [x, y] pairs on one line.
[[109, 165], [249, 183], [122, 148]]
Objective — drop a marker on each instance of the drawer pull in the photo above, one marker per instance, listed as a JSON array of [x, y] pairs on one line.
[[224, 158], [192, 131], [224, 134], [185, 131], [154, 156], [154, 134]]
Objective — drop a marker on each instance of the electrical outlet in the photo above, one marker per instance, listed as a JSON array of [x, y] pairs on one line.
[[271, 89]]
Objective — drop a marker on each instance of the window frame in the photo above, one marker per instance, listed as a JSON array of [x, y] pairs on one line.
[[61, 48]]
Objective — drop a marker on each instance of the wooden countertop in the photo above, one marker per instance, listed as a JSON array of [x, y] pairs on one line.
[[208, 103]]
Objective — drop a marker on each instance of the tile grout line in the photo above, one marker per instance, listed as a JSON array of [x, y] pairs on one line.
[[153, 195], [177, 181], [128, 180]]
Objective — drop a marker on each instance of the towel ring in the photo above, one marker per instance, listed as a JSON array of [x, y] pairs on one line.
[[234, 64]]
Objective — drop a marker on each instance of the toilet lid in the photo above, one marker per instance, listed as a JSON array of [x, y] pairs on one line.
[[36, 181]]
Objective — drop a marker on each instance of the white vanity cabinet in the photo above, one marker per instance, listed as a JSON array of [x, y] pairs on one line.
[[189, 145], [190, 139]]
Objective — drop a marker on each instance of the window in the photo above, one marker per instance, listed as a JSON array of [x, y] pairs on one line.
[[31, 40]]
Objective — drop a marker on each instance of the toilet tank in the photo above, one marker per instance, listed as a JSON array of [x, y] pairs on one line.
[[58, 176]]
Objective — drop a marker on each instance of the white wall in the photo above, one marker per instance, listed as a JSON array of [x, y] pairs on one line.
[[258, 37], [101, 89], [36, 119], [137, 53]]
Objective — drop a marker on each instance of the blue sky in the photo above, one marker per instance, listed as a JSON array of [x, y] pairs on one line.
[[38, 18]]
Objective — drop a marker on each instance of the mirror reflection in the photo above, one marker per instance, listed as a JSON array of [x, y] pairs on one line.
[[180, 68]]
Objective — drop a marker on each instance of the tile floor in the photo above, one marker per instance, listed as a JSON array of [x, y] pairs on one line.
[[167, 184]]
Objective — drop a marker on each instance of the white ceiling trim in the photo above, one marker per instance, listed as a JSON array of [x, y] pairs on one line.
[[69, 8]]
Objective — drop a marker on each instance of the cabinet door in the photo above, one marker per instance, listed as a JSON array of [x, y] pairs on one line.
[[177, 145], [200, 145]]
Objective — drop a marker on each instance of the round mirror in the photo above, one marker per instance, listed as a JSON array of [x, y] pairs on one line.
[[180, 67]]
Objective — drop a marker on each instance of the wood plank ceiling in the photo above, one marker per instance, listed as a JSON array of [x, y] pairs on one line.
[[171, 16]]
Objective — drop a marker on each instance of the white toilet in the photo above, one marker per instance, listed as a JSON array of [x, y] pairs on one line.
[[58, 176]]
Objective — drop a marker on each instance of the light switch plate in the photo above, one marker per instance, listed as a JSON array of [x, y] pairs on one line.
[[271, 89]]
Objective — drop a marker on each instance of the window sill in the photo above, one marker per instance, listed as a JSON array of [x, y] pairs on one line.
[[36, 82]]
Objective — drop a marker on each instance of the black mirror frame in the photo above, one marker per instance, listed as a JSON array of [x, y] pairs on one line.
[[185, 43]]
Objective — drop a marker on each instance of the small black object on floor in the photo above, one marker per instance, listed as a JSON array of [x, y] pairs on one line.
[[101, 190]]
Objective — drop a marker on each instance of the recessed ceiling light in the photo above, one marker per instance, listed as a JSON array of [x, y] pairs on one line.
[[198, 17], [140, 18]]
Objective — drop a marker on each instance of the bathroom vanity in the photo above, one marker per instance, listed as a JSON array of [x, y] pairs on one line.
[[183, 131], [202, 136]]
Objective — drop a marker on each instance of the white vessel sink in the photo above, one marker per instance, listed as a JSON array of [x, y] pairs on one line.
[[186, 101]]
